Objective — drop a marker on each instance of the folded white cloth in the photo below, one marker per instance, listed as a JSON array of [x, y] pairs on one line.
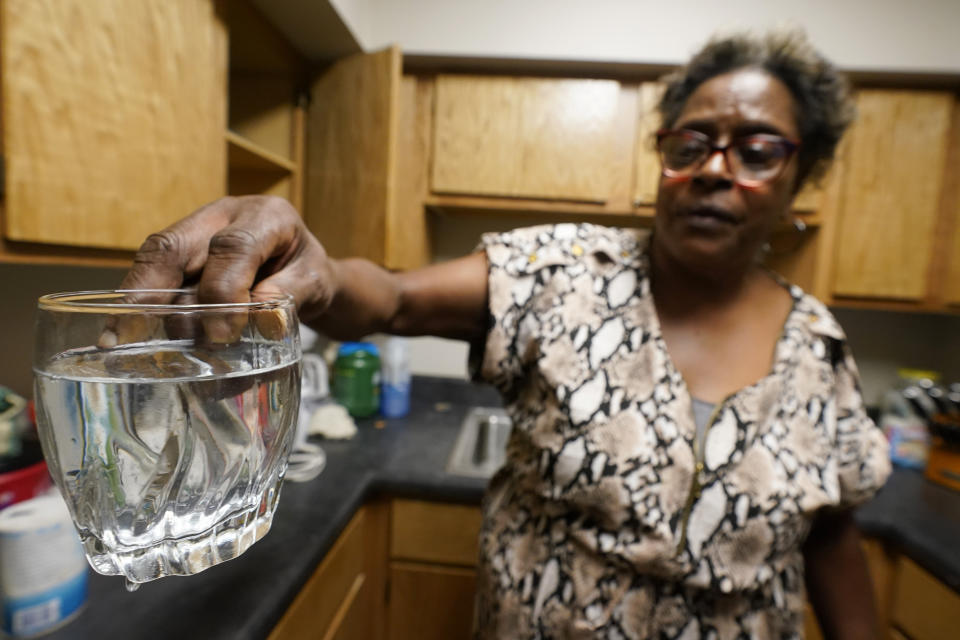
[[332, 421]]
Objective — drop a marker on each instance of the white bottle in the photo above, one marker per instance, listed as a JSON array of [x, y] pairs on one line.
[[395, 369]]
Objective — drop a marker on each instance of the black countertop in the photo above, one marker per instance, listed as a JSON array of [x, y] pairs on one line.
[[245, 597], [921, 519]]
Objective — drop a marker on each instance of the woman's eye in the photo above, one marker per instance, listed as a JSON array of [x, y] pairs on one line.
[[687, 151], [758, 153]]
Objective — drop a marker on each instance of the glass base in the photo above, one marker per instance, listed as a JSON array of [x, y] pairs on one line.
[[188, 555]]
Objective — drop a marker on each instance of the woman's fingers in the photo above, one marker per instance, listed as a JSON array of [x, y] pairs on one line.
[[230, 247], [168, 257], [164, 261], [261, 231], [263, 235], [309, 278]]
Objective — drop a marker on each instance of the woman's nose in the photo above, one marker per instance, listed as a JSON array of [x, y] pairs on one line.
[[715, 168]]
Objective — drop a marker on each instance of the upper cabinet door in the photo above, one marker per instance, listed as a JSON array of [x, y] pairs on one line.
[[525, 137], [647, 164], [114, 116], [891, 194], [951, 283], [351, 141]]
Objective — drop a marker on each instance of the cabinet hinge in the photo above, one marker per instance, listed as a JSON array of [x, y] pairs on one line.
[[3, 175], [302, 98]]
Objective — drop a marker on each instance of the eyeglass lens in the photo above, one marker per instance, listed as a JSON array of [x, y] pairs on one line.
[[752, 158]]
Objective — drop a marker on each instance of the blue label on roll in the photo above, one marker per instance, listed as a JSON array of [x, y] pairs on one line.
[[30, 615]]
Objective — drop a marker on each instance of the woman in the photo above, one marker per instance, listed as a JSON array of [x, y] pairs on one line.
[[664, 478]]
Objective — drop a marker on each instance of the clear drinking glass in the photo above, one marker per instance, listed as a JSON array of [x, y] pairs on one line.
[[166, 423]]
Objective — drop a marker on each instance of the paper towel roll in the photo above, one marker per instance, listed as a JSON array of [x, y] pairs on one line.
[[43, 571]]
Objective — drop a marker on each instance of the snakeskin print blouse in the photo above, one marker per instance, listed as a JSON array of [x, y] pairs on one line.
[[606, 522]]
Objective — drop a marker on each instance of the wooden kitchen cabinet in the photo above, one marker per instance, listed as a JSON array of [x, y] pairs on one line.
[[365, 151], [400, 569], [434, 532], [811, 628], [950, 224], [911, 604], [923, 608], [646, 178], [387, 145], [883, 565], [343, 599], [121, 118], [430, 603], [433, 552], [406, 569], [891, 198], [519, 137], [266, 135], [560, 146], [952, 283], [114, 114]]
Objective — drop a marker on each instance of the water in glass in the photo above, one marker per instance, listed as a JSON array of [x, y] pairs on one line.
[[170, 455]]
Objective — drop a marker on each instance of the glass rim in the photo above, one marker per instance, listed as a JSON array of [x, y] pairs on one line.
[[99, 301]]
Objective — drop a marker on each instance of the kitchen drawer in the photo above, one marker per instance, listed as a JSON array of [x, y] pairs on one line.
[[923, 607], [433, 532]]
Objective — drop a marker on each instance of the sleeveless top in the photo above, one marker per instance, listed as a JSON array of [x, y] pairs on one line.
[[607, 521]]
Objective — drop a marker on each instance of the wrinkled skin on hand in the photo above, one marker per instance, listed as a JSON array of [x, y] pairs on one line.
[[233, 249]]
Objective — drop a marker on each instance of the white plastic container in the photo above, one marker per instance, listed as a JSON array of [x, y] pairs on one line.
[[395, 378], [43, 572]]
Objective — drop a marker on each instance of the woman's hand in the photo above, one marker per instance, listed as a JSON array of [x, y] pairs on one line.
[[233, 246], [236, 246]]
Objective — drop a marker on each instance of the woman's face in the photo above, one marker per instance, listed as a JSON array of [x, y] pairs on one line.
[[708, 221]]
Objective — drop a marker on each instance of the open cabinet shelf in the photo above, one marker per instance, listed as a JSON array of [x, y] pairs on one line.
[[247, 155], [265, 132]]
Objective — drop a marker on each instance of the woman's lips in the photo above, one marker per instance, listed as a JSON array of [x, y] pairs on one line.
[[710, 218]]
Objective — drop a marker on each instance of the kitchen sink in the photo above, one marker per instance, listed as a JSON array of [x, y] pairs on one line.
[[481, 446]]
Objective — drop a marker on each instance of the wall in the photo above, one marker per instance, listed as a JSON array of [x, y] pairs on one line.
[[884, 35], [356, 14], [318, 29], [22, 285], [884, 341]]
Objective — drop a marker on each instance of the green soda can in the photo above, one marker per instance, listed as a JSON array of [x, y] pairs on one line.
[[356, 378]]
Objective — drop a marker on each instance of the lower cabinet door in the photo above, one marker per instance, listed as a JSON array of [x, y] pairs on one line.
[[326, 602], [923, 607], [356, 620], [430, 602], [811, 628]]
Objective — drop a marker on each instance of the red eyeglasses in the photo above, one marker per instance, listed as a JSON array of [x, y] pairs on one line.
[[753, 160]]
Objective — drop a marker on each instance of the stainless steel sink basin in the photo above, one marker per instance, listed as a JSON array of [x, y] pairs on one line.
[[482, 443]]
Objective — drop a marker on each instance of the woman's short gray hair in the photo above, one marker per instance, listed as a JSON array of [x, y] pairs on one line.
[[821, 92]]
